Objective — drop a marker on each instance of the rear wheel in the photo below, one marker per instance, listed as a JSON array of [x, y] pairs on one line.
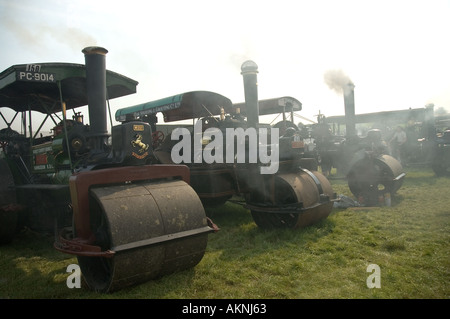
[[8, 207], [440, 169]]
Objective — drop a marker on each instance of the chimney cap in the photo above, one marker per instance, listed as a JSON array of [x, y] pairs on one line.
[[94, 50], [249, 67]]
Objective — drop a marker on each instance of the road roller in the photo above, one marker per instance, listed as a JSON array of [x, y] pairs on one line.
[[441, 154], [126, 220], [232, 156], [130, 205], [374, 177]]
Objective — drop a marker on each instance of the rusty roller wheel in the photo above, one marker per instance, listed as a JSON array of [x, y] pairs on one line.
[[370, 177], [153, 228], [298, 200]]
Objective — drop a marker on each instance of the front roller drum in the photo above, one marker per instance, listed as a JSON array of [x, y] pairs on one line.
[[153, 228], [370, 178], [298, 200]]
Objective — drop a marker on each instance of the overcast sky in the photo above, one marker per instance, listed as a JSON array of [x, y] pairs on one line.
[[397, 53]]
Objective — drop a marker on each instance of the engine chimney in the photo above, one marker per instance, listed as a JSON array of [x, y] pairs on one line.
[[96, 93], [349, 103], [249, 72]]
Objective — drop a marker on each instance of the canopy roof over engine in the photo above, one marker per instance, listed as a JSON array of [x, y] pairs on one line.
[[40, 87], [274, 105], [178, 107]]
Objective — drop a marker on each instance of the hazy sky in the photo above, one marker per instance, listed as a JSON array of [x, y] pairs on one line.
[[397, 53]]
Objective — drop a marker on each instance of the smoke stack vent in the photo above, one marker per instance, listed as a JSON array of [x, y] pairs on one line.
[[249, 72], [96, 93], [349, 103]]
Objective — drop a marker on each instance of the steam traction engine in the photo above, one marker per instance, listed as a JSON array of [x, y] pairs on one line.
[[131, 222], [441, 154], [125, 209], [372, 173], [294, 196]]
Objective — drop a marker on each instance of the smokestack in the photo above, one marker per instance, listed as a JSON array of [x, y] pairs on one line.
[[349, 103], [249, 73], [96, 92]]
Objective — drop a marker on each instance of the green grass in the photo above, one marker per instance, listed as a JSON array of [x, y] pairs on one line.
[[409, 241]]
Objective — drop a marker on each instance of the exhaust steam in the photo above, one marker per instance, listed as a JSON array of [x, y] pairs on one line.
[[337, 80]]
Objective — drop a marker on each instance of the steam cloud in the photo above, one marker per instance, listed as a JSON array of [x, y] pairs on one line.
[[71, 36], [336, 80]]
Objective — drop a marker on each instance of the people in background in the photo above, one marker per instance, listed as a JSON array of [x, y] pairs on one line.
[[376, 143], [398, 143]]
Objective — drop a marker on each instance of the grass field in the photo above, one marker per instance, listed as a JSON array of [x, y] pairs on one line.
[[408, 241]]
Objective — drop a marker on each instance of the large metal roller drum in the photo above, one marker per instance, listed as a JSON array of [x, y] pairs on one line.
[[371, 177], [299, 200], [154, 228]]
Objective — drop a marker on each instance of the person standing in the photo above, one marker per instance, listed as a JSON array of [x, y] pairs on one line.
[[398, 143]]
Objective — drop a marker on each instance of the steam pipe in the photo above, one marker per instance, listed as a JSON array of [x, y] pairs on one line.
[[96, 93], [249, 73]]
